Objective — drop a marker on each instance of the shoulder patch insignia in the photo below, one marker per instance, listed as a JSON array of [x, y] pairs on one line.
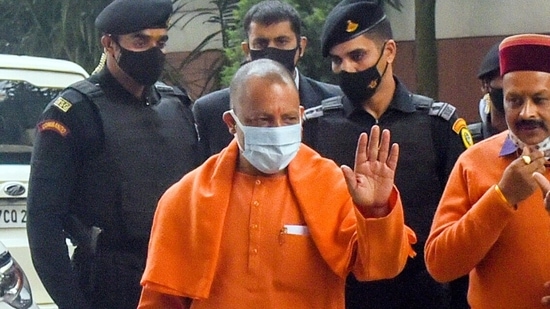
[[459, 124], [460, 127], [53, 125], [62, 104], [467, 137]]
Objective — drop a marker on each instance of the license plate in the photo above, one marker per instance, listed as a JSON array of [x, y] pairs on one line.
[[13, 216]]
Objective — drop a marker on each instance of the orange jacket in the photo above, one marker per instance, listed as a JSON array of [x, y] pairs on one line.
[[505, 251]]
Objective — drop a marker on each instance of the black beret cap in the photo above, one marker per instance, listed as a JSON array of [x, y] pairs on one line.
[[349, 19], [127, 16], [489, 62]]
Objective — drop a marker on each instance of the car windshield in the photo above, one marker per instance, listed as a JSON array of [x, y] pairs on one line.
[[21, 103]]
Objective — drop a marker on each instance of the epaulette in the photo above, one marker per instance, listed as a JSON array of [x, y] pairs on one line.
[[476, 129], [421, 102], [87, 88], [171, 90], [445, 111], [62, 104], [440, 109], [160, 86], [65, 101], [329, 104]]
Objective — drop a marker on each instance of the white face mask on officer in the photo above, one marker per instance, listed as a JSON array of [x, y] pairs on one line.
[[269, 149]]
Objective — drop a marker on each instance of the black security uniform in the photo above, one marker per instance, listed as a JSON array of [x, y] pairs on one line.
[[428, 149], [489, 69], [102, 158], [480, 131], [209, 109]]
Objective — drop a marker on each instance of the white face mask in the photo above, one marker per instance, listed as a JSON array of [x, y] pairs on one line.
[[543, 146], [269, 149]]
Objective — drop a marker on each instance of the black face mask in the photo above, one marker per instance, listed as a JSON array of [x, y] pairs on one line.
[[144, 67], [283, 56], [497, 98], [361, 86]]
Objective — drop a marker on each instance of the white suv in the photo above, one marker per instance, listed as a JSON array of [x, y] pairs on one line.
[[27, 84]]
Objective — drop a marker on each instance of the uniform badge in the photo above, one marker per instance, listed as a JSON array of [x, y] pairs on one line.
[[460, 127], [62, 104], [351, 27], [467, 138], [53, 125]]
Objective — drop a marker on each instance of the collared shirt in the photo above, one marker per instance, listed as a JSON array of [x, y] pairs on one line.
[[508, 147], [401, 102], [428, 149], [297, 78]]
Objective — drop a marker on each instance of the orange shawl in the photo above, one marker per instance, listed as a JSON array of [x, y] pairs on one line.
[[186, 233]]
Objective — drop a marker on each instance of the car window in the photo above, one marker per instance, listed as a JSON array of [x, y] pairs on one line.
[[27, 85], [21, 103]]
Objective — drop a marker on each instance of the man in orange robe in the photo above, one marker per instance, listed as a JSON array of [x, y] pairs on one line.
[[268, 223]]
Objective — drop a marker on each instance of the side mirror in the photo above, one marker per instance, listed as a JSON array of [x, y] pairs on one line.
[[14, 287]]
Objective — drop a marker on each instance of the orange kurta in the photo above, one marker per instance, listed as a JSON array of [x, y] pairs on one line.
[[187, 257], [506, 252]]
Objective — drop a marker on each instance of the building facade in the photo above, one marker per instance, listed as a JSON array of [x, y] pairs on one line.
[[465, 30]]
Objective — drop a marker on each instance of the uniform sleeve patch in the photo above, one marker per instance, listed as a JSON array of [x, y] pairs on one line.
[[62, 104], [53, 125], [459, 124], [461, 127], [467, 138]]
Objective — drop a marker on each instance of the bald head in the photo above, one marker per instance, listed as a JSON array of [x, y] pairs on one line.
[[264, 97], [267, 70]]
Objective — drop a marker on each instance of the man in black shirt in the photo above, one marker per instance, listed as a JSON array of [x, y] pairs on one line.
[[273, 31], [105, 151], [491, 106], [357, 36]]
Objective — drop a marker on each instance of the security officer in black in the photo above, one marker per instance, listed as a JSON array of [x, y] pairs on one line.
[[357, 37], [106, 149], [491, 106], [273, 31]]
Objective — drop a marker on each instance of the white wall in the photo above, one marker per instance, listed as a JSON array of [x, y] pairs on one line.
[[184, 37], [454, 19], [473, 18]]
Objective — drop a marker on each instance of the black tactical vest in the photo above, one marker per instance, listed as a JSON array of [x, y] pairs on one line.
[[422, 150], [479, 130], [145, 150]]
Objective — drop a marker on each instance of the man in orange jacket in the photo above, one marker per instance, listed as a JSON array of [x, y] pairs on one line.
[[491, 222]]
